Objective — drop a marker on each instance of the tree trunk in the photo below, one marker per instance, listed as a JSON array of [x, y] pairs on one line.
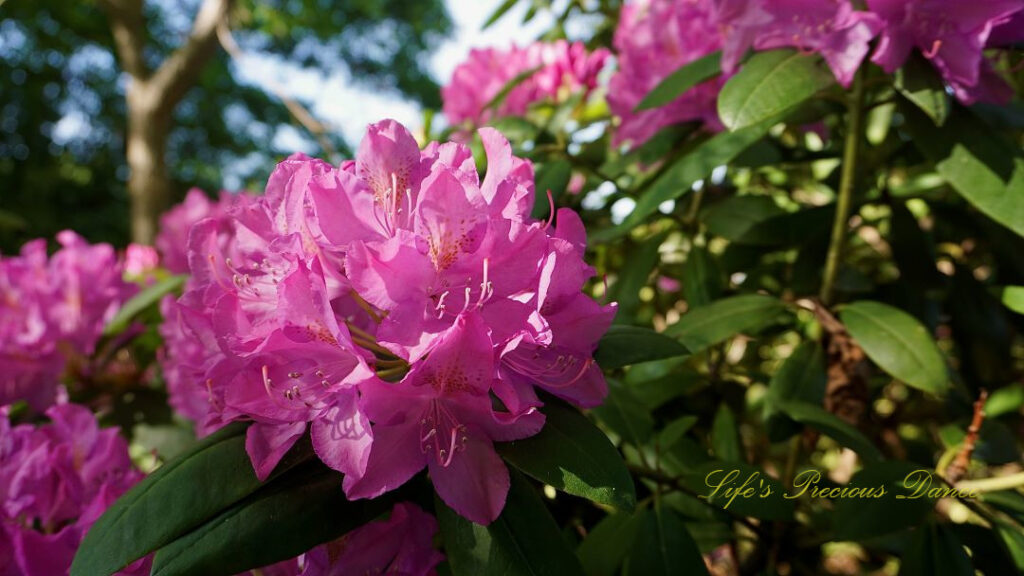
[[149, 185], [152, 98]]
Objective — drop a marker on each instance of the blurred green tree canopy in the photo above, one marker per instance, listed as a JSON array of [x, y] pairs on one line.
[[63, 109]]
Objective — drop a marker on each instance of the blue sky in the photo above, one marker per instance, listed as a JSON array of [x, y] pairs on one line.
[[348, 108]]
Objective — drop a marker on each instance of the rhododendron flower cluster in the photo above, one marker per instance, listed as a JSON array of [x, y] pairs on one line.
[[400, 308], [951, 34], [831, 28], [172, 240], [561, 68], [653, 40], [52, 311], [56, 479]]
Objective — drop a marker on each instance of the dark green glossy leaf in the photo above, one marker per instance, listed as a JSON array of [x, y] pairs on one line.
[[633, 276], [574, 456], [831, 425], [801, 377], [553, 175], [717, 151], [725, 318], [977, 163], [604, 548], [897, 343], [703, 280], [737, 215], [626, 345], [919, 82], [523, 541], [175, 499], [674, 432], [302, 509], [677, 83], [725, 437], [769, 84], [663, 547], [870, 517], [147, 297], [626, 415], [935, 550]]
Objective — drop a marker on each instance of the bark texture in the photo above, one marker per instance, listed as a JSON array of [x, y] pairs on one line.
[[152, 97]]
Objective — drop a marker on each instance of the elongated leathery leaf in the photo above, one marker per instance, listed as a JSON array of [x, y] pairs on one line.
[[573, 455], [181, 495], [523, 541], [302, 509]]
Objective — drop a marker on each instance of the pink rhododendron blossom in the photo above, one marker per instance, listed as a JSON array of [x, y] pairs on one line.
[[653, 40], [952, 35], [831, 28], [399, 308], [561, 69], [402, 544], [56, 479], [172, 240], [52, 311], [140, 261]]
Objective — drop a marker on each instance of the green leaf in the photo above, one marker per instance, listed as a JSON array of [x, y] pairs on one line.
[[633, 276], [626, 415], [677, 180], [574, 456], [897, 343], [935, 550], [175, 499], [1005, 400], [675, 431], [725, 438], [918, 81], [147, 297], [302, 509], [982, 167], [832, 426], [770, 84], [801, 377], [523, 541], [868, 517], [553, 175], [510, 86], [626, 345], [685, 77], [735, 216], [498, 13], [757, 494], [663, 546], [604, 548], [723, 319], [703, 280], [1013, 298]]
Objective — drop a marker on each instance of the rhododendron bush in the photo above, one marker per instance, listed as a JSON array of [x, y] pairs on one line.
[[682, 287]]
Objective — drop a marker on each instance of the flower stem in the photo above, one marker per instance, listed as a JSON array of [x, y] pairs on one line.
[[847, 180]]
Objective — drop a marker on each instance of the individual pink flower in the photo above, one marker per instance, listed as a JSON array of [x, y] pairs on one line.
[[372, 305], [831, 28], [172, 239], [951, 34], [140, 261], [561, 68], [56, 479], [654, 39], [402, 544], [52, 311]]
